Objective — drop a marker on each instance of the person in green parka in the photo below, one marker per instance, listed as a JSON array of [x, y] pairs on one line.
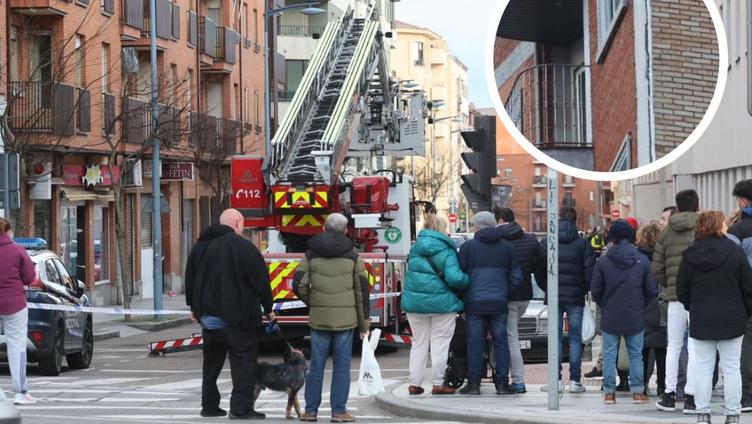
[[430, 299]]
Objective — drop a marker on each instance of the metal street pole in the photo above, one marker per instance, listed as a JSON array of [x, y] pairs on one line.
[[553, 290], [267, 107], [5, 178], [156, 169]]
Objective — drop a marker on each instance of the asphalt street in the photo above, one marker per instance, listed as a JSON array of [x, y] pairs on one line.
[[125, 385]]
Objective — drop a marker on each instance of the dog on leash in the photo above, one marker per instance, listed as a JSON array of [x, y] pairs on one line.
[[287, 377]]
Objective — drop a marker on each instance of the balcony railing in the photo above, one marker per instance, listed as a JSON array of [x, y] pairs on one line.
[[285, 96], [539, 180], [299, 30], [547, 104], [227, 39], [133, 13], [207, 36], [41, 106]]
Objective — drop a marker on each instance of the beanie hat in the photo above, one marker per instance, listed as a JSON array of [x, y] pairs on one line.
[[621, 230], [633, 222]]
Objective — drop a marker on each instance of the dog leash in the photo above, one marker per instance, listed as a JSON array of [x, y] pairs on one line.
[[273, 327]]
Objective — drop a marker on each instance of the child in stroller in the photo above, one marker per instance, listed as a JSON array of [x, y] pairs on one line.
[[456, 371]]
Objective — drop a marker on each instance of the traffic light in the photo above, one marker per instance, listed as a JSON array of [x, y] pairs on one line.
[[481, 161]]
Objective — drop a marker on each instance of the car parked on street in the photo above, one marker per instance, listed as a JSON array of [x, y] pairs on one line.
[[533, 330], [55, 334]]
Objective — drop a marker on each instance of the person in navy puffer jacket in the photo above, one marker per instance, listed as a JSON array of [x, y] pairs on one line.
[[576, 262], [494, 273], [430, 299]]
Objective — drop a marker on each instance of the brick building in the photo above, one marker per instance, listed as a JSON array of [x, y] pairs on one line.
[[77, 86], [522, 185], [606, 85]]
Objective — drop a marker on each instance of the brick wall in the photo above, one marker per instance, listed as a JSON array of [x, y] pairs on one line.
[[613, 90], [685, 69]]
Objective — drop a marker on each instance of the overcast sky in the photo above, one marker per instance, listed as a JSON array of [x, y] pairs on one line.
[[463, 26]]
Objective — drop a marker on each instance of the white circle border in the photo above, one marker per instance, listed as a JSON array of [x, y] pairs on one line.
[[608, 176]]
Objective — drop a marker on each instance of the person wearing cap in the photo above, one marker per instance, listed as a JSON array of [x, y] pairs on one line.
[[490, 262], [623, 286]]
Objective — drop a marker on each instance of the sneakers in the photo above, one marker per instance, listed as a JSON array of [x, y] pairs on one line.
[[503, 388], [732, 419], [24, 399], [747, 405], [667, 402], [308, 417], [609, 398], [253, 415], [595, 372], [639, 398], [576, 387], [441, 390], [470, 389], [212, 413], [519, 388], [689, 405], [703, 419], [344, 417], [415, 390]]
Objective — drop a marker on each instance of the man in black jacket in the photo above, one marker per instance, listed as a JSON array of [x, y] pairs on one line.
[[741, 233], [576, 263], [226, 286], [530, 256]]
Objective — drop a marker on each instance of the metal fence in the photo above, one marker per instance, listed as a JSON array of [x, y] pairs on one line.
[[299, 30]]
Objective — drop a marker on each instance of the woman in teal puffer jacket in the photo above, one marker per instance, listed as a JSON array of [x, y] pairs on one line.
[[431, 302]]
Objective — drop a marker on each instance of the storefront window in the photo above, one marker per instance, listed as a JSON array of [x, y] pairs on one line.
[[101, 243], [68, 236], [43, 220]]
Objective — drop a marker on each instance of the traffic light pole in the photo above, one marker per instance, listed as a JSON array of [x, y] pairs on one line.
[[552, 245]]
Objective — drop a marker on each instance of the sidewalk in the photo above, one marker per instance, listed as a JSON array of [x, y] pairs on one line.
[[531, 407], [112, 325]]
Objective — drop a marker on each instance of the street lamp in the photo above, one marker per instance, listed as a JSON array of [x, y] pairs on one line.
[[309, 9]]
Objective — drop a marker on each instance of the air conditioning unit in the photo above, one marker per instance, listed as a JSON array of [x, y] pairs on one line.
[[135, 177]]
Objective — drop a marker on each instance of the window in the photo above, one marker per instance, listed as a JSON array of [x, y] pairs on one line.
[[610, 13], [256, 108], [623, 158], [214, 99], [214, 11], [568, 199], [418, 53], [79, 41], [236, 102], [294, 74], [244, 21], [592, 196], [537, 171], [189, 90], [51, 273], [568, 179], [507, 172], [255, 25], [105, 68], [581, 118], [101, 243], [246, 105], [65, 277], [13, 53]]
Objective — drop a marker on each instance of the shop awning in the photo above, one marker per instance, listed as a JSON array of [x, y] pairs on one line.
[[557, 22], [77, 194]]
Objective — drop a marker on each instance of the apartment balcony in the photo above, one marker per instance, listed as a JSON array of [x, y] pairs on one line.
[[137, 119], [216, 137], [552, 22], [299, 30], [225, 54], [547, 104], [131, 19], [136, 27], [43, 7], [42, 107], [207, 40], [539, 181], [539, 206]]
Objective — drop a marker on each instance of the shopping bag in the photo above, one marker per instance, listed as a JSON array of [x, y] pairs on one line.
[[588, 325], [369, 378]]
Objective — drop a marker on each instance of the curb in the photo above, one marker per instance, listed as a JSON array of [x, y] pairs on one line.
[[106, 335], [160, 325]]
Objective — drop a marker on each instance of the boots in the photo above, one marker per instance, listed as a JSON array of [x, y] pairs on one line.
[[623, 381], [471, 388]]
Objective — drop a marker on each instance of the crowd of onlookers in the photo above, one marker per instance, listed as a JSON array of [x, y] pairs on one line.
[[642, 282]]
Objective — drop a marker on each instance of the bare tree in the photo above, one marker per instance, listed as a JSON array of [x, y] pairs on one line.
[[432, 177]]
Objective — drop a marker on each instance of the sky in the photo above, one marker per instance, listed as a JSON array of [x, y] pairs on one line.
[[464, 27]]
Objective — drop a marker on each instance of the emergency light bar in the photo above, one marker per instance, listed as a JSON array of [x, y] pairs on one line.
[[31, 243]]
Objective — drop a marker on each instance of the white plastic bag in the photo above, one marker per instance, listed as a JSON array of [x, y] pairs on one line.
[[588, 325], [369, 378]]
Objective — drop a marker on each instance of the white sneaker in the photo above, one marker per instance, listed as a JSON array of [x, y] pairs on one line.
[[24, 399], [576, 387]]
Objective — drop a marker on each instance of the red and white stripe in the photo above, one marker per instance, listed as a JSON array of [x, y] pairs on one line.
[[173, 344], [397, 338]]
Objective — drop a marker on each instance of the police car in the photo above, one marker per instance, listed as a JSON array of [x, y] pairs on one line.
[[54, 335]]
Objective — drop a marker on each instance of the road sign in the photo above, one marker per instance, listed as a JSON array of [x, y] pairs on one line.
[[463, 215], [452, 218], [615, 213]]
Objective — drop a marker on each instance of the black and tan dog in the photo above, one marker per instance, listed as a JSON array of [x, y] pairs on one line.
[[287, 377]]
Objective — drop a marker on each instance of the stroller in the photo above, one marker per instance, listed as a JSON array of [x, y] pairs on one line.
[[456, 371]]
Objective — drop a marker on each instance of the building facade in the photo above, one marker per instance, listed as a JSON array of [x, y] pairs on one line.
[[422, 60], [78, 90], [723, 154], [606, 85]]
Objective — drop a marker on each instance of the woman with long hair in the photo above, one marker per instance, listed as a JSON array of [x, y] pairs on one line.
[[714, 284], [430, 299]]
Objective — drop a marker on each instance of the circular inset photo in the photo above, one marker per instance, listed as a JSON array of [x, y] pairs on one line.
[[607, 89]]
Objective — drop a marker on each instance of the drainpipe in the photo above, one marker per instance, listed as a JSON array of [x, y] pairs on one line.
[[240, 64]]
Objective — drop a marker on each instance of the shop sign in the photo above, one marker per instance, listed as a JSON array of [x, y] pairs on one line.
[[90, 176], [177, 171]]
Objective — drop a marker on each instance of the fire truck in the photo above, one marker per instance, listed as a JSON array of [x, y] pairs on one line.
[[347, 115]]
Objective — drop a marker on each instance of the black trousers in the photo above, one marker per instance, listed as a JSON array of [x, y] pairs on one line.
[[660, 362], [746, 363], [243, 349]]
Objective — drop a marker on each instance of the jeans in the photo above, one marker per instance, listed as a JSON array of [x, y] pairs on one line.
[[16, 328], [574, 314], [610, 353], [705, 354], [476, 326], [434, 331], [676, 328], [243, 349], [516, 365], [340, 344]]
